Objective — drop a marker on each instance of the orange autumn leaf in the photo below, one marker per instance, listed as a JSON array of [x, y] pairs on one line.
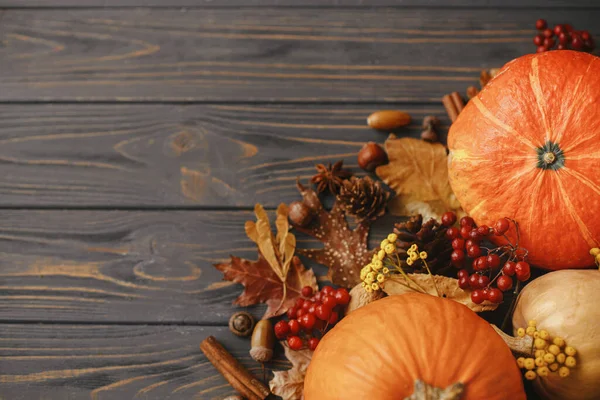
[[418, 173]]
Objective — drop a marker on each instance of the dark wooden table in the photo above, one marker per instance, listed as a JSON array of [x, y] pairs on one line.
[[135, 140]]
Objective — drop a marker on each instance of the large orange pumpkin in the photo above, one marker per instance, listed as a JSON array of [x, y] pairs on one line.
[[528, 147], [379, 350]]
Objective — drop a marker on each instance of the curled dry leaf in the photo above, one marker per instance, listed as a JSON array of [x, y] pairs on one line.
[[359, 297], [344, 250], [290, 384], [277, 277], [448, 288], [418, 173]]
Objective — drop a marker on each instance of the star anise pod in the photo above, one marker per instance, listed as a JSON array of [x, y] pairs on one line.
[[363, 198], [430, 237], [330, 177]]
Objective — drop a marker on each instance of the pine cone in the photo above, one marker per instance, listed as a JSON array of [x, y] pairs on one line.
[[331, 177], [363, 198], [430, 237]]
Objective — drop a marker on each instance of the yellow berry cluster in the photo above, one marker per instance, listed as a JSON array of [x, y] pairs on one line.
[[373, 274], [595, 252], [414, 254], [551, 354]]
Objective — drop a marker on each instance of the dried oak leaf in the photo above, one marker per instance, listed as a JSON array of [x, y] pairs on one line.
[[277, 277], [418, 173], [290, 384], [447, 287], [344, 250]]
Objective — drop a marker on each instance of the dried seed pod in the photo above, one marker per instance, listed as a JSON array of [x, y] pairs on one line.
[[263, 340], [300, 214], [241, 324], [388, 119]]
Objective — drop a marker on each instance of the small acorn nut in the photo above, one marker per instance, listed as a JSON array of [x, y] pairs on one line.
[[430, 124], [263, 340], [386, 120], [241, 324], [371, 156], [300, 214]]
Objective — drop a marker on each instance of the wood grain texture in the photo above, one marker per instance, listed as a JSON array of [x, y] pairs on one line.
[[125, 266], [256, 54], [169, 155], [68, 362], [299, 3]]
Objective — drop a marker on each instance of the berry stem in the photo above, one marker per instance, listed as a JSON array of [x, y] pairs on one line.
[[511, 307], [399, 268]]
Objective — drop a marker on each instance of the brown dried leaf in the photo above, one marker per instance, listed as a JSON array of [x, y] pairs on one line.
[[344, 251], [418, 173], [290, 384], [448, 288], [262, 285]]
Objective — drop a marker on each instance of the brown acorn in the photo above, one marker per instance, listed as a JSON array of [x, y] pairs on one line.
[[371, 156], [300, 214]]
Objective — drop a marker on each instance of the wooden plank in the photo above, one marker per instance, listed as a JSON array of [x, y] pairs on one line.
[[115, 362], [298, 3], [255, 54], [125, 266], [168, 155]]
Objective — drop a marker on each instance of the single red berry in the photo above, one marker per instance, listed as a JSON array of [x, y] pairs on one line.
[[502, 226], [577, 42], [538, 40], [294, 326], [452, 233], [306, 305], [509, 268], [458, 258], [477, 297], [540, 49], [504, 283], [474, 281], [483, 281], [474, 235], [313, 343], [585, 35], [561, 47], [549, 43], [474, 251], [299, 302], [485, 292], [558, 29], [300, 313], [548, 33], [589, 44], [342, 297], [541, 24], [467, 221], [458, 244], [327, 291], [316, 297], [448, 218], [462, 273], [329, 300], [463, 282], [307, 291], [495, 295], [470, 243], [522, 271], [464, 232], [480, 264], [292, 313], [294, 342], [564, 38], [333, 318], [323, 312], [281, 329], [568, 28], [311, 309], [308, 321], [483, 230], [493, 260]]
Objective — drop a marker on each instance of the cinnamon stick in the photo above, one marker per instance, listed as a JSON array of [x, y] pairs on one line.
[[450, 107], [458, 101], [234, 372]]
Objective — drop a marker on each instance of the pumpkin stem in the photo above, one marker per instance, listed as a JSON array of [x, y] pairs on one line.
[[424, 391], [519, 346], [549, 158]]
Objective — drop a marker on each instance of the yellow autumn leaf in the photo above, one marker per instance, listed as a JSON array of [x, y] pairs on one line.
[[418, 173]]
